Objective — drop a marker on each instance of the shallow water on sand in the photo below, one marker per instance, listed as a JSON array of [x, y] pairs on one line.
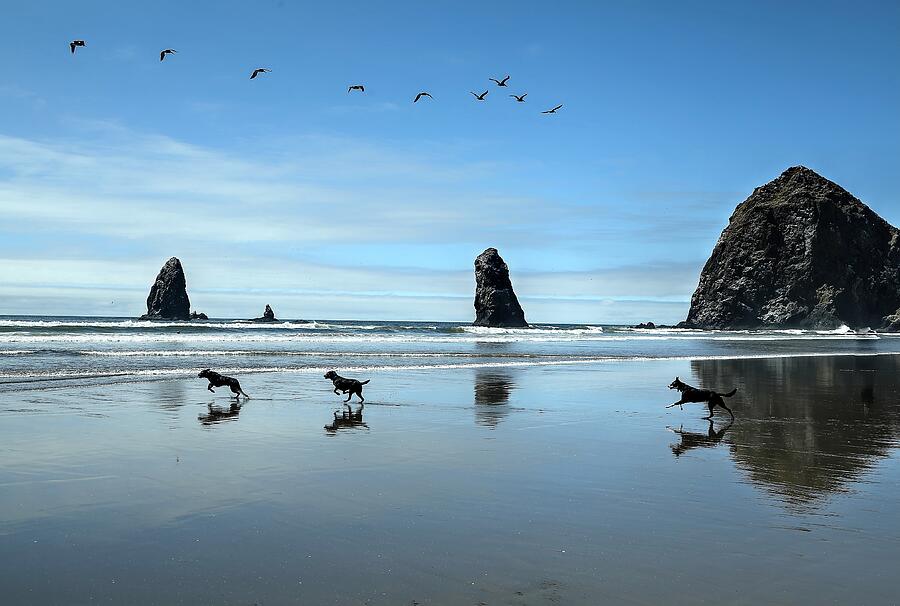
[[487, 485]]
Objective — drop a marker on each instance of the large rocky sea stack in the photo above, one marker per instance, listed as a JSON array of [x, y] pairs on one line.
[[168, 298], [495, 302], [268, 316], [800, 252]]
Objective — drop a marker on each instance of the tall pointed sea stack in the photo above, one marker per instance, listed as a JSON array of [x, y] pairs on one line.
[[495, 302], [168, 298], [800, 252], [268, 316]]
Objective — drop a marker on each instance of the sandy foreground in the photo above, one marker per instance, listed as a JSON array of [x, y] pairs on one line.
[[545, 485]]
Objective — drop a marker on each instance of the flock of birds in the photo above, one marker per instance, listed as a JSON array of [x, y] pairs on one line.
[[74, 44]]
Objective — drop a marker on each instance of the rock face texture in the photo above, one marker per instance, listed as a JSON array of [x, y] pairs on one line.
[[801, 252], [199, 316], [168, 298], [268, 316], [495, 302]]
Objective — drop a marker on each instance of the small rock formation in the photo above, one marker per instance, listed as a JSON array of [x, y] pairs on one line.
[[199, 316], [801, 252], [647, 325], [168, 298], [495, 302], [268, 316]]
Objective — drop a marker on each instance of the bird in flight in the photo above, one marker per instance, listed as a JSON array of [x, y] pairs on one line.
[[500, 82], [481, 96], [520, 99], [422, 94], [74, 44], [358, 87], [258, 71], [552, 111], [168, 51]]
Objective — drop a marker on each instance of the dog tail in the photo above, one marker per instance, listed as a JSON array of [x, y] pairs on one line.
[[729, 394], [364, 382]]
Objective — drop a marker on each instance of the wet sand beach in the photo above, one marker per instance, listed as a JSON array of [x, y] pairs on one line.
[[491, 485]]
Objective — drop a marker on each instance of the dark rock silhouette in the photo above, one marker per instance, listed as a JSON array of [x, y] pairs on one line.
[[268, 316], [648, 325], [168, 298], [199, 316], [800, 252], [495, 302]]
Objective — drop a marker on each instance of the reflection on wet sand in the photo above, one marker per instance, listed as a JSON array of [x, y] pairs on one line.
[[347, 419], [691, 439], [492, 389], [217, 414], [808, 426]]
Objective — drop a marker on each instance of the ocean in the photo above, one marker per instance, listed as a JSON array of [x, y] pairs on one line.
[[39, 352]]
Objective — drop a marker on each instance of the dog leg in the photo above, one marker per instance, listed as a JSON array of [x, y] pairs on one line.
[[210, 387], [712, 407], [722, 404], [348, 397], [361, 398], [678, 403]]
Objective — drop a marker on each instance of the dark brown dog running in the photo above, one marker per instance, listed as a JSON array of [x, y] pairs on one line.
[[217, 380], [692, 394], [342, 385]]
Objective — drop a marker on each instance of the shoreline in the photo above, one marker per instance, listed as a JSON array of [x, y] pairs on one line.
[[147, 375]]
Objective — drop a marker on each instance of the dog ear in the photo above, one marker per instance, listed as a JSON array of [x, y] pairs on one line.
[[676, 378]]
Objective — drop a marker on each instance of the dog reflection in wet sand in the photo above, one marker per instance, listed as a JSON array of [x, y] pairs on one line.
[[345, 419], [691, 439], [693, 395], [216, 414]]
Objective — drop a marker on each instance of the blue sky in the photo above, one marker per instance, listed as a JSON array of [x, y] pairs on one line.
[[288, 190]]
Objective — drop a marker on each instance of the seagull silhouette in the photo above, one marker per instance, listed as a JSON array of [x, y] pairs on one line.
[[500, 82], [552, 111], [168, 51], [422, 94], [74, 44], [258, 71], [481, 96], [518, 98], [358, 87]]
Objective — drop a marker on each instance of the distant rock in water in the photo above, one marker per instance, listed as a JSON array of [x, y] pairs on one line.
[[268, 316], [647, 325], [199, 316], [495, 302], [168, 298], [801, 252]]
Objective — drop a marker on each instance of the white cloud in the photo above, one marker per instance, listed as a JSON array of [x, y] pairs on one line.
[[327, 226]]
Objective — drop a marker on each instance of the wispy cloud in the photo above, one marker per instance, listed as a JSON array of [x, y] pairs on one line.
[[308, 219]]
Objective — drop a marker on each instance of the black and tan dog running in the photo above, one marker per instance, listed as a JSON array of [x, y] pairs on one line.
[[692, 394], [217, 380], [342, 385]]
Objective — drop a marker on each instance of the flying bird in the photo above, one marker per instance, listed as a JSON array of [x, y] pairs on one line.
[[552, 111], [481, 96], [422, 94], [520, 99], [358, 87], [500, 82], [168, 51], [258, 71], [74, 44]]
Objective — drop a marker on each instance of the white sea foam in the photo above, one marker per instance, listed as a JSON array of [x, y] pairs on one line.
[[179, 372], [486, 337]]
